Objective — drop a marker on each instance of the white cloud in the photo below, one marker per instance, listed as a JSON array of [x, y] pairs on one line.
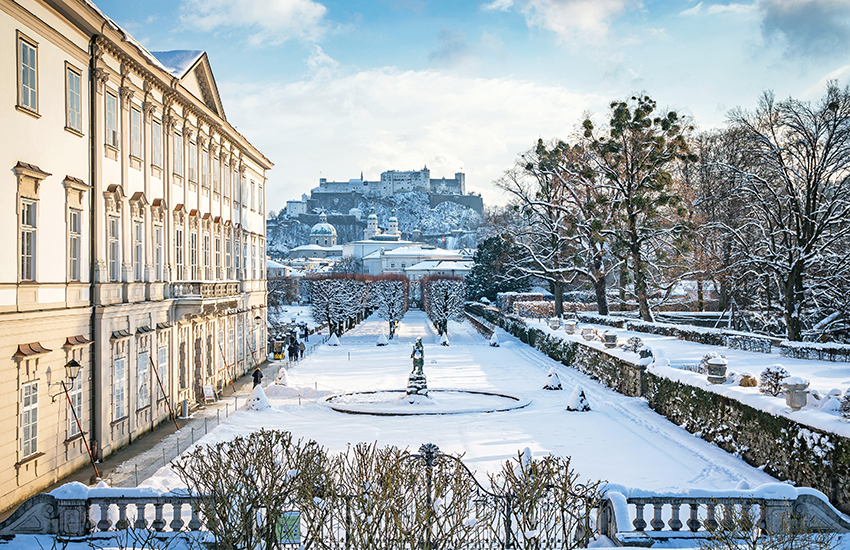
[[267, 21], [380, 119], [320, 61], [575, 19], [719, 9], [498, 5]]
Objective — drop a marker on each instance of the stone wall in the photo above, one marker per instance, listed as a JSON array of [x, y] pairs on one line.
[[785, 449]]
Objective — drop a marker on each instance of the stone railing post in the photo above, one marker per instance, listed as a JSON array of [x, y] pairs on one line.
[[73, 517]]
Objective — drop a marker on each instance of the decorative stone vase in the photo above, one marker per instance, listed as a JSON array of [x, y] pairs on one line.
[[588, 333], [609, 338], [717, 370], [554, 323], [570, 326], [796, 392]]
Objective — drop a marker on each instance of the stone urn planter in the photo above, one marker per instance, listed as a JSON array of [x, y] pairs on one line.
[[570, 326], [609, 338], [554, 323], [796, 392], [717, 370], [588, 332]]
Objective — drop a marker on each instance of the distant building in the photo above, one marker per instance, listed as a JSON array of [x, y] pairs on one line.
[[396, 181], [323, 233]]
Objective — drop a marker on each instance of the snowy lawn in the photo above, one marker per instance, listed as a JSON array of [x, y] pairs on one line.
[[620, 440], [823, 375]]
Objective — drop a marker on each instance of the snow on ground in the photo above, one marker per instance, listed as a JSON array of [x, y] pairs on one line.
[[620, 440], [823, 375]]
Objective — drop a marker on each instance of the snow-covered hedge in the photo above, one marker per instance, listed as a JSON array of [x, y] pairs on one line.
[[749, 343], [784, 448], [505, 300], [596, 319], [534, 309], [815, 350]]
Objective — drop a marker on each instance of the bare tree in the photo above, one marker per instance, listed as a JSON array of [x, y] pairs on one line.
[[337, 299], [443, 297], [389, 295], [794, 178]]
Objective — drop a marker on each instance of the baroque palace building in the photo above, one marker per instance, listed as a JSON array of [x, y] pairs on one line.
[[132, 239]]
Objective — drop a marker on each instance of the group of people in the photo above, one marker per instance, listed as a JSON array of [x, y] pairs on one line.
[[296, 350]]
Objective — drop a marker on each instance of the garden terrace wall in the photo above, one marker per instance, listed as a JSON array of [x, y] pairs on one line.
[[786, 449], [815, 350]]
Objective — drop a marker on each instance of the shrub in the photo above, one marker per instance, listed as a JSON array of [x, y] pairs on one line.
[[770, 381]]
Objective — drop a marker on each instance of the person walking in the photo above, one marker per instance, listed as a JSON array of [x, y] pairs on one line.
[[258, 376], [301, 349], [293, 351]]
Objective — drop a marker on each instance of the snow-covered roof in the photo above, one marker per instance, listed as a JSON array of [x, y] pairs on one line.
[[271, 264], [323, 229], [309, 247], [420, 251], [436, 265], [178, 62]]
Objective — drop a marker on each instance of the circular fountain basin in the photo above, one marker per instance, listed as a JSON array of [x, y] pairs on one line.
[[439, 401]]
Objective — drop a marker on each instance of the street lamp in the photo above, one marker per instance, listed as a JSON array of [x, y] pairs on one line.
[[72, 371]]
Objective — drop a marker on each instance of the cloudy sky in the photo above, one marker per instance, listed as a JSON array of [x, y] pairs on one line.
[[330, 88]]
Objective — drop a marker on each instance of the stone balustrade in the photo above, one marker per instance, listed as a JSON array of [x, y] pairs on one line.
[[645, 519], [204, 289]]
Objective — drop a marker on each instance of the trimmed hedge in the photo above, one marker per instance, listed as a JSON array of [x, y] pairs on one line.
[[815, 350], [786, 449]]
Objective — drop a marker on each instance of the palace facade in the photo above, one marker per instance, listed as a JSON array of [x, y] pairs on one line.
[[133, 240]]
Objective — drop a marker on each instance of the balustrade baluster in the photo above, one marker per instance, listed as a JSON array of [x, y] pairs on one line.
[[639, 522], [141, 522], [158, 523], [176, 518], [195, 522], [657, 523], [122, 522], [693, 521], [675, 523], [710, 522], [104, 524]]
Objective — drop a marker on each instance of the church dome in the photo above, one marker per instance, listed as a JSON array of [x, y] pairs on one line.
[[323, 227], [372, 215]]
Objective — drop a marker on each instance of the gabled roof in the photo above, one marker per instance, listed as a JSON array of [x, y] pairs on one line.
[[193, 69]]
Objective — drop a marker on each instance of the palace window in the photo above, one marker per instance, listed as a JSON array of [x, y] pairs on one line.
[[178, 154], [193, 161], [73, 99], [226, 180], [207, 263], [29, 211], [135, 133], [157, 251], [143, 375], [75, 243], [28, 75], [216, 172], [178, 246], [156, 143], [112, 137], [218, 258], [162, 370], [228, 260], [193, 255], [119, 389], [138, 251], [29, 419], [114, 246], [205, 168], [75, 393]]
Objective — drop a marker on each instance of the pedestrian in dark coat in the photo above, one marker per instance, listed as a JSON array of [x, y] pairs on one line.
[[258, 376], [293, 351]]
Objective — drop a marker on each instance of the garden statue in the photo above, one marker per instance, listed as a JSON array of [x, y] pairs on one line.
[[416, 383]]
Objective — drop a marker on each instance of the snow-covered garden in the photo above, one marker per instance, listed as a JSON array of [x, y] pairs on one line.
[[619, 441]]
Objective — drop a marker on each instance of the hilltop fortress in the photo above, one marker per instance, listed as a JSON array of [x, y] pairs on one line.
[[396, 181]]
